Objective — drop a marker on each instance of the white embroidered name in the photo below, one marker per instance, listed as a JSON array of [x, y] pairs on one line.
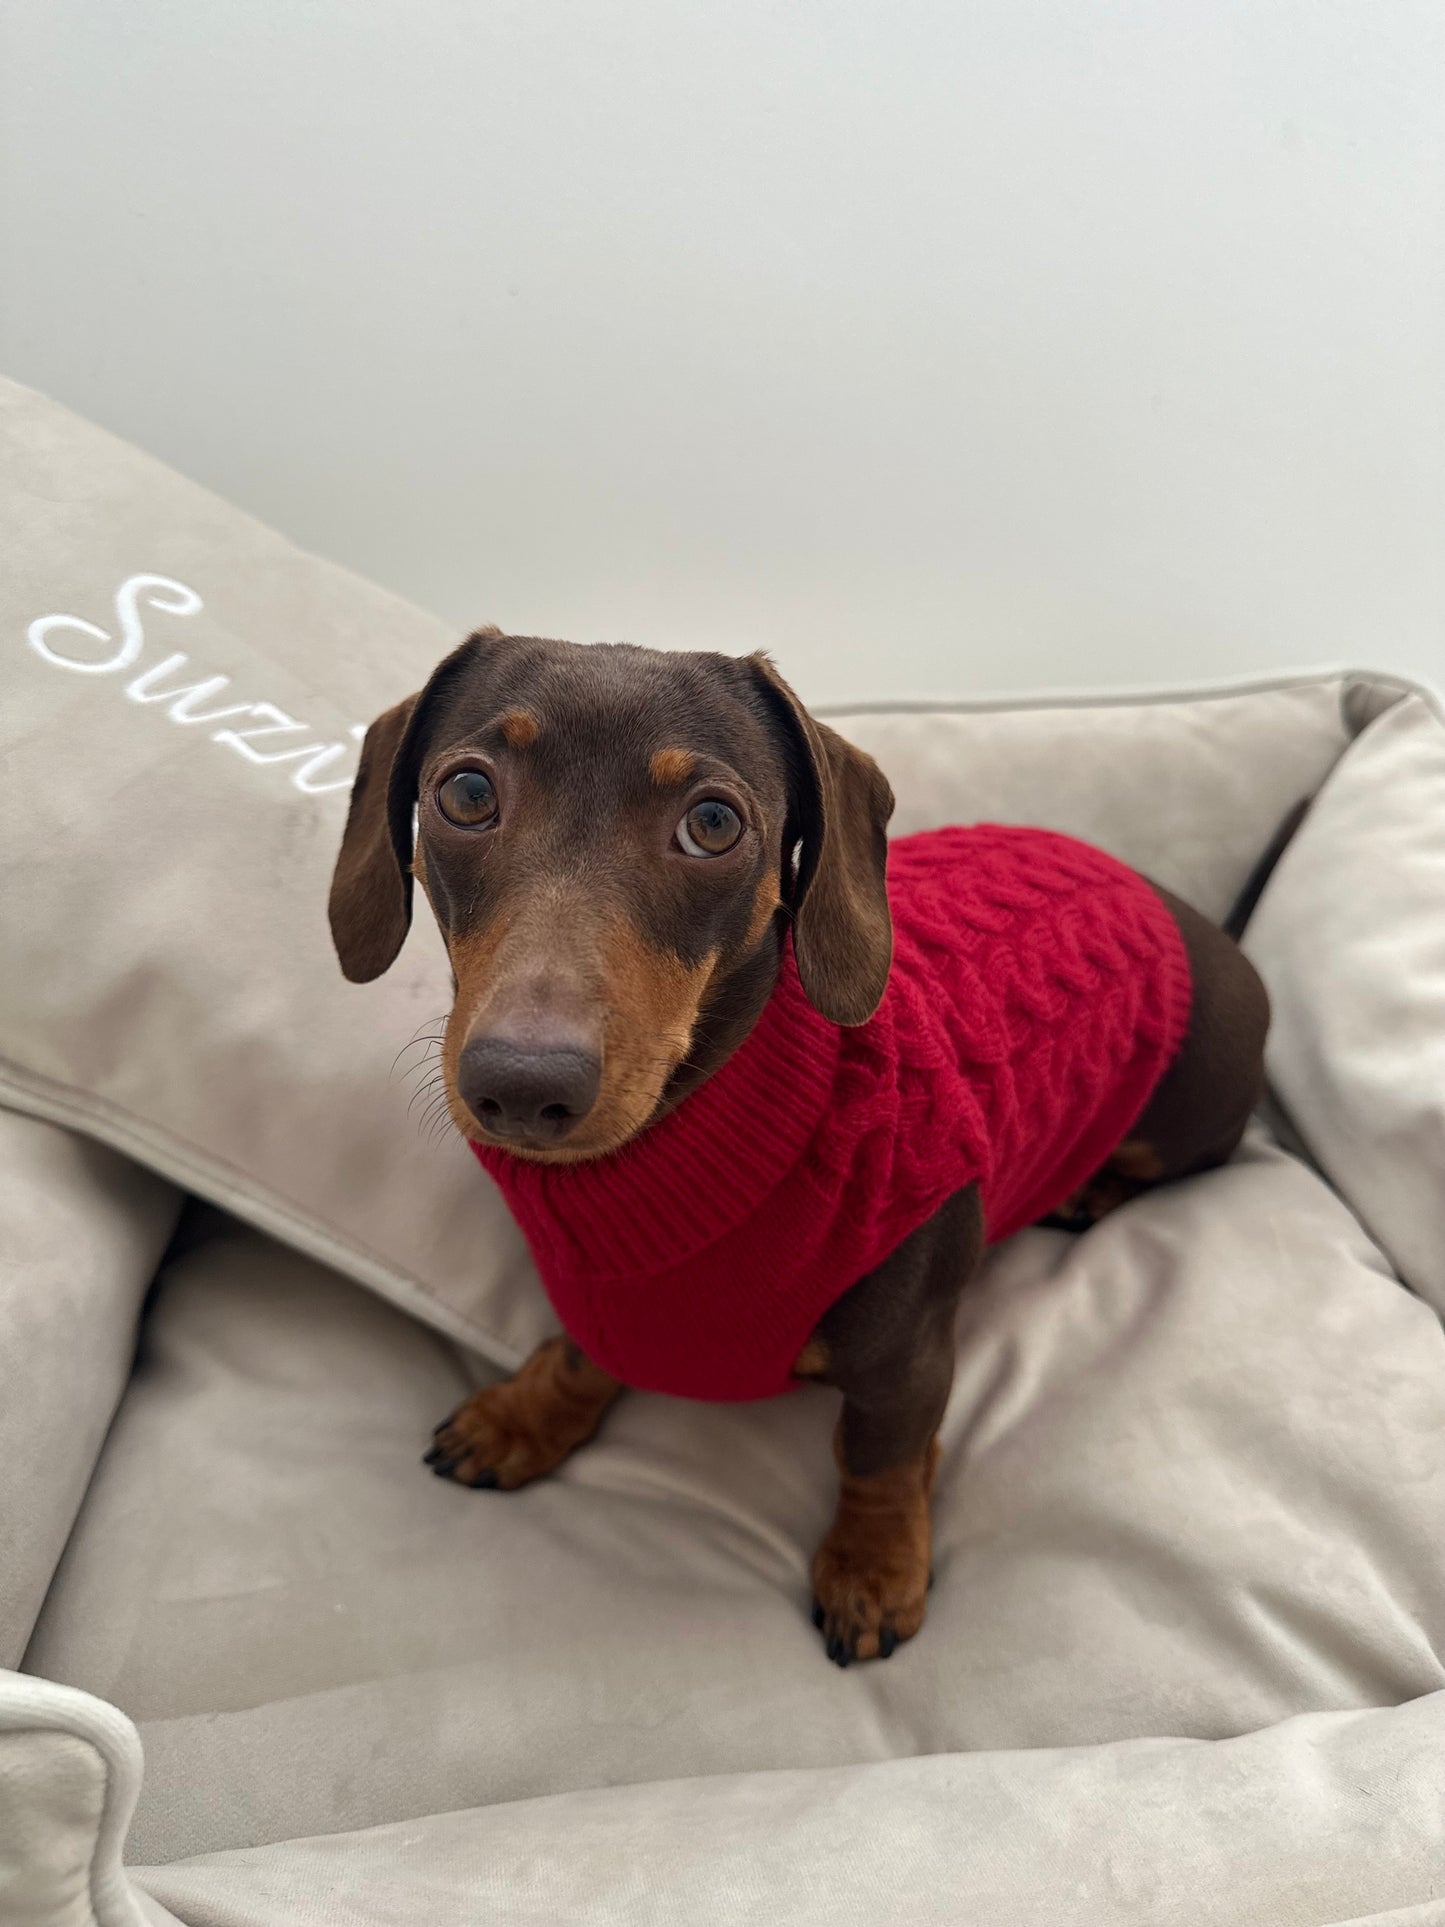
[[186, 702]]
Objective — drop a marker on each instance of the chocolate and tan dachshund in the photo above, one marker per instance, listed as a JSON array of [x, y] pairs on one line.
[[602, 972]]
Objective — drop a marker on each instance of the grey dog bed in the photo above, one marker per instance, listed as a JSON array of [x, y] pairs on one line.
[[1183, 1660]]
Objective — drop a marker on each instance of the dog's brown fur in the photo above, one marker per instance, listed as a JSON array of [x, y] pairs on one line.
[[509, 1434], [871, 1573], [577, 918]]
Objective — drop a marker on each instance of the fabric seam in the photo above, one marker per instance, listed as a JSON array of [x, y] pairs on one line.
[[158, 1150], [101, 1913], [1142, 696]]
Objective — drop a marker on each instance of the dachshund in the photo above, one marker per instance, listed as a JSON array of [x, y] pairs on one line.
[[664, 889]]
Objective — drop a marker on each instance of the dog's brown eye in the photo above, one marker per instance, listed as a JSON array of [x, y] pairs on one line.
[[468, 799], [709, 828]]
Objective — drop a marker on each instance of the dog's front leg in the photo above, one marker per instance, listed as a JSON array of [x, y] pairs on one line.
[[888, 1345], [511, 1433]]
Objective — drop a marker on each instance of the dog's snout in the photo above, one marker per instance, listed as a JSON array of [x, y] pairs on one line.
[[519, 1088]]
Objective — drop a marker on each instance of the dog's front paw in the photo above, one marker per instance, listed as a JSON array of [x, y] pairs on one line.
[[862, 1611], [486, 1442], [871, 1575], [509, 1434]]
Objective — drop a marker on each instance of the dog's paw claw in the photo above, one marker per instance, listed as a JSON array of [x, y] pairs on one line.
[[865, 1610], [451, 1464]]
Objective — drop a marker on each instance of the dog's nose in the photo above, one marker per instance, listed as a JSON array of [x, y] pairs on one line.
[[523, 1089]]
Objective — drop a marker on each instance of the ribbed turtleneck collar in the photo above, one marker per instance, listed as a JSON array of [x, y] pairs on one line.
[[698, 1172]]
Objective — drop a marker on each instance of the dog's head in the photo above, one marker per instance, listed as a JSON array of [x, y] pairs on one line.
[[612, 840]]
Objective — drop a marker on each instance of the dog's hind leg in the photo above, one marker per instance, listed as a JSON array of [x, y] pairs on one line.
[[1198, 1113]]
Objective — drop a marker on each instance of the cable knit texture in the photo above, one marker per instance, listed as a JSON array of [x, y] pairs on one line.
[[1038, 993]]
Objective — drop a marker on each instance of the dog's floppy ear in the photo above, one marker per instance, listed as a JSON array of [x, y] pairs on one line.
[[370, 904], [838, 811]]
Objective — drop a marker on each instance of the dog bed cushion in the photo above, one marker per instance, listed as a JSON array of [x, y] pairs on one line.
[[1192, 1485], [81, 1232], [1183, 1659], [1350, 940]]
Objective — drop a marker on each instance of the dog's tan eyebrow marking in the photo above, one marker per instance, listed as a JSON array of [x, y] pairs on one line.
[[519, 728], [670, 766]]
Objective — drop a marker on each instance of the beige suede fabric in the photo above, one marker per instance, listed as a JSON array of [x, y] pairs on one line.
[[1351, 939], [1192, 1486], [81, 1232], [1322, 1820], [1187, 791], [50, 1795], [70, 1768]]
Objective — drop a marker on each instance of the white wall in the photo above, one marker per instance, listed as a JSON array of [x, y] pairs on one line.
[[974, 344]]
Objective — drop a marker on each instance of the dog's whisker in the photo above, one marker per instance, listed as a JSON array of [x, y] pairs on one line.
[[431, 1046], [425, 1094], [670, 1064], [424, 1044], [427, 1043], [434, 1029], [430, 1024], [424, 1067]]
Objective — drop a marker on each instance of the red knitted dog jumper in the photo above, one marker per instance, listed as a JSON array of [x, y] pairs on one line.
[[1038, 993]]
